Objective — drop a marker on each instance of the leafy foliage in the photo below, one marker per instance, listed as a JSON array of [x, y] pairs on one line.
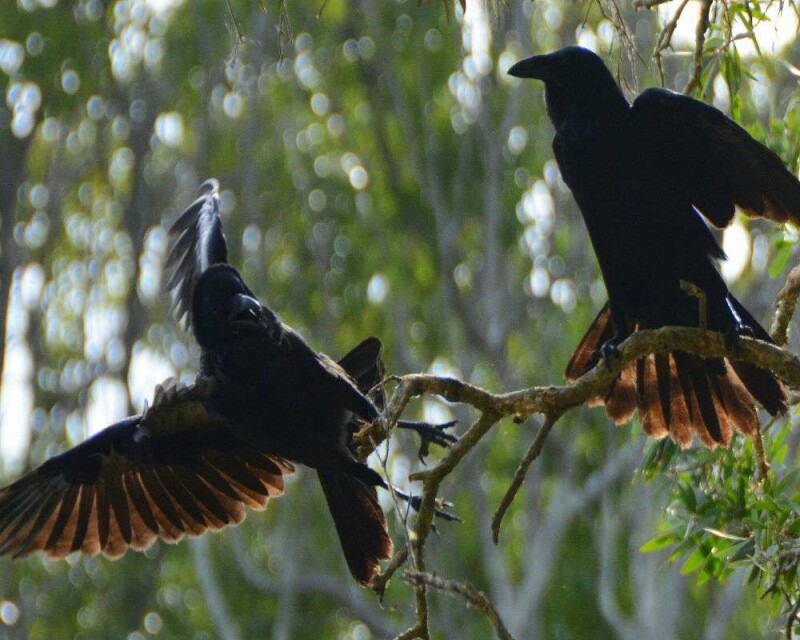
[[382, 176]]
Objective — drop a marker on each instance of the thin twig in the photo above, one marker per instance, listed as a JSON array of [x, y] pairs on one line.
[[519, 476], [402, 510], [431, 480], [791, 619], [321, 9], [615, 17], [699, 45], [665, 40], [284, 27], [761, 458], [239, 34], [476, 598], [380, 581], [648, 4], [785, 304]]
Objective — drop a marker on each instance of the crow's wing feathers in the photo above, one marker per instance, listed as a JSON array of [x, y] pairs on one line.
[[317, 369], [713, 160], [364, 365], [176, 470], [347, 389], [197, 243]]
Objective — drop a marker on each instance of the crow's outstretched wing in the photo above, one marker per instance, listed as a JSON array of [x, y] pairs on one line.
[[174, 471], [197, 243], [714, 162]]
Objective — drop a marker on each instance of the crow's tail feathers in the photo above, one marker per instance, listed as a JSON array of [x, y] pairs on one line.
[[764, 387], [682, 395], [360, 523]]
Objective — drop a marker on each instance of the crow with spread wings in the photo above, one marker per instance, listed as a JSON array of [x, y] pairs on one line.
[[201, 453], [642, 175]]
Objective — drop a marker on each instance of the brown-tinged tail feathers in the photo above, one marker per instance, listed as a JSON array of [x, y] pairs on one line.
[[770, 393], [360, 523], [681, 395]]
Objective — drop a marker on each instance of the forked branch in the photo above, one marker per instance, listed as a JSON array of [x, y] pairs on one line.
[[552, 402]]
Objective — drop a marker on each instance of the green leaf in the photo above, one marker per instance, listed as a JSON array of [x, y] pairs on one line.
[[741, 551], [688, 496], [724, 534], [694, 561], [790, 478], [793, 529], [784, 251], [752, 523], [659, 542]]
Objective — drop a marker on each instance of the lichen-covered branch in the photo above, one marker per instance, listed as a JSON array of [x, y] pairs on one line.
[[550, 401], [785, 304]]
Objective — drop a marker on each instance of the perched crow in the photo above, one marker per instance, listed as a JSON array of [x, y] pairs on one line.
[[201, 453], [642, 175]]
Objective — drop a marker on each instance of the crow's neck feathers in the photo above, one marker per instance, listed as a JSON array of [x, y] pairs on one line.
[[593, 96]]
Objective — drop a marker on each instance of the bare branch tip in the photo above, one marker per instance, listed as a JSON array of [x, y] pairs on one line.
[[519, 476]]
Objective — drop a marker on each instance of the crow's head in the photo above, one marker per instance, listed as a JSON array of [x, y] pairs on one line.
[[221, 301], [563, 67], [574, 78]]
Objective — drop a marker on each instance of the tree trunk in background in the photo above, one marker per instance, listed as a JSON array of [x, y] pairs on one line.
[[137, 220], [13, 171]]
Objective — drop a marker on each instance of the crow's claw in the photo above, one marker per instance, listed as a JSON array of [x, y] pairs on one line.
[[430, 434], [610, 350], [732, 335], [440, 508]]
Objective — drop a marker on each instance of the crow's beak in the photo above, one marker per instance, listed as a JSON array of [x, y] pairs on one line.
[[533, 67], [243, 306]]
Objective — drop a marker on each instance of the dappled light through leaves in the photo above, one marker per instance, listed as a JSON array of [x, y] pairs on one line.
[[381, 175]]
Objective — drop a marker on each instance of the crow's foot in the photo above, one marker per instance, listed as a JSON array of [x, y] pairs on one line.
[[609, 350], [732, 336], [441, 508], [430, 434]]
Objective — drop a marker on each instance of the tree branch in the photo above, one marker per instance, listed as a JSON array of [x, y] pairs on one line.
[[380, 582], [519, 477], [552, 401], [700, 42], [785, 304], [470, 593]]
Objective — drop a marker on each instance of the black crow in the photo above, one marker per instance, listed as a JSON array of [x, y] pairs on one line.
[[202, 452], [646, 177]]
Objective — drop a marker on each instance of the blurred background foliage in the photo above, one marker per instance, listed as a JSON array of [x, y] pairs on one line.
[[382, 175]]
